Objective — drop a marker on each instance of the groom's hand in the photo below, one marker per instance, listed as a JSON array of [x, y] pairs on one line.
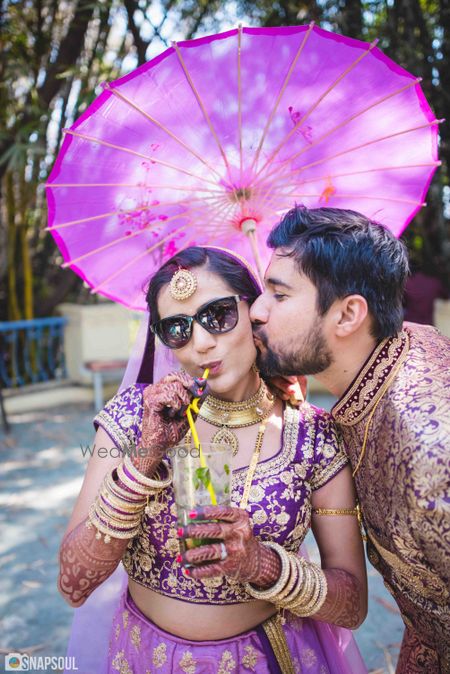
[[289, 388]]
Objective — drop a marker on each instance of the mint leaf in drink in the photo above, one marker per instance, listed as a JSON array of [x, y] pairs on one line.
[[202, 476]]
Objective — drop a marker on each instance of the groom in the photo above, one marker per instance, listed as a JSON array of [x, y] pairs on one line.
[[332, 307]]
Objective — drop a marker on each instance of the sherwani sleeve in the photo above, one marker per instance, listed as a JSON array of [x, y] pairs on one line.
[[429, 501]]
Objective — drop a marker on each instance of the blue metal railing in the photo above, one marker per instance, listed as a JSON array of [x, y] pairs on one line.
[[32, 351]]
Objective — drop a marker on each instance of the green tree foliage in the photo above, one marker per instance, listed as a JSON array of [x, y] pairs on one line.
[[54, 54]]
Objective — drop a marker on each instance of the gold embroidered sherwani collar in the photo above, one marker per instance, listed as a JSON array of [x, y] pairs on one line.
[[372, 381]]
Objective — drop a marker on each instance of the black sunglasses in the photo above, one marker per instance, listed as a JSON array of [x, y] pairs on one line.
[[216, 317]]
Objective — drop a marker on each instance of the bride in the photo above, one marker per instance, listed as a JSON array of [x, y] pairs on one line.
[[251, 602]]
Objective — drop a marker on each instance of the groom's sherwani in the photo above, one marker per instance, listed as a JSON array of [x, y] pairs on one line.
[[395, 420]]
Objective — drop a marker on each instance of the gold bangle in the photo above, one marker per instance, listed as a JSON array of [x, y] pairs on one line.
[[302, 591], [271, 593], [135, 486], [108, 492], [103, 519], [293, 578], [310, 602], [93, 521], [335, 511], [108, 534], [112, 522], [111, 514], [154, 487], [117, 502], [297, 587], [119, 491], [306, 597], [150, 482], [320, 594]]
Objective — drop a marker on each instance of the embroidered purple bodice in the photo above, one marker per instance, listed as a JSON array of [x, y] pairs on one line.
[[279, 504]]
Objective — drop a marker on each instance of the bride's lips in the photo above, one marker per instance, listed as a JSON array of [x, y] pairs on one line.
[[214, 367]]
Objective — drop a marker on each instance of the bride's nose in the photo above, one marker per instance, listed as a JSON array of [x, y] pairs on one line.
[[202, 340]]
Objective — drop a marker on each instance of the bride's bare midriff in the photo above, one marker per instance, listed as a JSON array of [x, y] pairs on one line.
[[199, 622]]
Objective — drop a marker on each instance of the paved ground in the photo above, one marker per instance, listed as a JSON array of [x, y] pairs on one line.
[[40, 476]]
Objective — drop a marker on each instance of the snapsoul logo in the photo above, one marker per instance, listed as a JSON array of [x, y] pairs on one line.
[[22, 662]]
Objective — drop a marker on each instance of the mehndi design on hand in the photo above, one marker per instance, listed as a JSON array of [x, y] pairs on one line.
[[164, 422], [247, 560]]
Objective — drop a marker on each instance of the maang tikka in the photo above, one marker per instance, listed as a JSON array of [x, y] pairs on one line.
[[183, 284]]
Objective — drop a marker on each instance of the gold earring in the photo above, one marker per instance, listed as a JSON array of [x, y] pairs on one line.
[[255, 368]]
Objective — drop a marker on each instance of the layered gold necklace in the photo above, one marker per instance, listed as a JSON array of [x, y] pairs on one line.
[[228, 415]]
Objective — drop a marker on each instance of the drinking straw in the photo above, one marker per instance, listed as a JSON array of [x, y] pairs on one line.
[[193, 407]]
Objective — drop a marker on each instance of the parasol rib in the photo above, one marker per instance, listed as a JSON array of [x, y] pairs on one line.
[[369, 142], [372, 170], [154, 121], [91, 139], [342, 124], [149, 250], [239, 80], [100, 216], [142, 185], [202, 107], [100, 249], [287, 184], [137, 257], [136, 209], [364, 196], [220, 216], [356, 147], [314, 106], [281, 92]]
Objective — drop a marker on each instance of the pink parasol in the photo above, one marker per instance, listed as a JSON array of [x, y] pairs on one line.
[[213, 140]]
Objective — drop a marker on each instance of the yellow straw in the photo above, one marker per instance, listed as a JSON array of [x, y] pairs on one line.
[[193, 407]]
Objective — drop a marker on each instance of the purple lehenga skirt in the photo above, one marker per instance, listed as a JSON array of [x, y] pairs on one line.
[[138, 646], [132, 644]]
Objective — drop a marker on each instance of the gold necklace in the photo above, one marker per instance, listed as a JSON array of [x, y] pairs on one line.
[[228, 415], [253, 463]]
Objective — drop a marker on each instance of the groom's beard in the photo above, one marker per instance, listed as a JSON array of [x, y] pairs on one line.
[[310, 356]]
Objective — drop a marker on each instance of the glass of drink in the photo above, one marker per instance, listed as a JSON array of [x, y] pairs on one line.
[[194, 483]]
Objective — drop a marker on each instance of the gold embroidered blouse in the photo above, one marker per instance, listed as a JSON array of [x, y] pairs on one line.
[[279, 502]]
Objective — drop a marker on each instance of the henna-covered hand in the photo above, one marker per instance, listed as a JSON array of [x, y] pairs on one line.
[[85, 563], [240, 555], [289, 388], [346, 602], [164, 422]]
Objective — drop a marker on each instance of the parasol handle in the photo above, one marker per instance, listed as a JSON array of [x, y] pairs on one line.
[[248, 226]]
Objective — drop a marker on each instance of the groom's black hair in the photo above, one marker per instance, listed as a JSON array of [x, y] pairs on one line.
[[344, 253]]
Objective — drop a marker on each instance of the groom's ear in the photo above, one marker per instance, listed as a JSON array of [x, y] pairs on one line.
[[351, 313]]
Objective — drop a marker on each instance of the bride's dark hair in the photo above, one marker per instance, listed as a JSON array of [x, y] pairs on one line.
[[219, 262], [226, 265]]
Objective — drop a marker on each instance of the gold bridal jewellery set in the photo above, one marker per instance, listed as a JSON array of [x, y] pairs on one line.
[[229, 415]]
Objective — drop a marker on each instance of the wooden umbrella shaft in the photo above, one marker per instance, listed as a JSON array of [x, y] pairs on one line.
[[248, 226]]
